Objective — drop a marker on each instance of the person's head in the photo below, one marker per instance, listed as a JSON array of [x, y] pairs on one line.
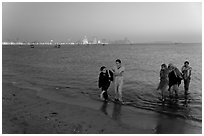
[[103, 69], [163, 66], [170, 66], [118, 62], [186, 63]]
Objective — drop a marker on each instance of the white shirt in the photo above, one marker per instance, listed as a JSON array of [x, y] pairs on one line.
[[118, 71]]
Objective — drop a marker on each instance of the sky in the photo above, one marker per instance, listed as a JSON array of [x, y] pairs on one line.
[[69, 21]]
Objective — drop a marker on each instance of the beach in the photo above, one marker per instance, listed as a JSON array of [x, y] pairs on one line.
[[46, 90], [25, 112]]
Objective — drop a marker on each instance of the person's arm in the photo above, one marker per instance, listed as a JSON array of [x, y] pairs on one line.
[[119, 74], [178, 73], [182, 69], [121, 71], [114, 72], [113, 69], [99, 81], [167, 76], [110, 75], [158, 86], [190, 72], [162, 74]]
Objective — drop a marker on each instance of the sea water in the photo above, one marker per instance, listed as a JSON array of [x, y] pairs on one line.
[[77, 68]]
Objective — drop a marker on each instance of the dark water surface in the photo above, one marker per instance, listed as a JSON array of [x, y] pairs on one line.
[[77, 68]]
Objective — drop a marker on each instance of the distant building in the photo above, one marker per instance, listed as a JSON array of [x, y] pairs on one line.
[[85, 41], [95, 41]]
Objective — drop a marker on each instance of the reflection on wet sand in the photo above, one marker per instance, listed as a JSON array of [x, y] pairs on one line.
[[171, 124], [166, 125], [104, 108], [116, 111]]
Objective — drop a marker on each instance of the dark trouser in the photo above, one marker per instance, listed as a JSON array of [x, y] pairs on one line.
[[105, 94], [186, 84], [173, 88]]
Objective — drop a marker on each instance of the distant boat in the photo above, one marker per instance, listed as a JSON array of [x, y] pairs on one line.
[[57, 46], [177, 43], [31, 46]]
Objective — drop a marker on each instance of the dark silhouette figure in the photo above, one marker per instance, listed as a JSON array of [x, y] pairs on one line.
[[105, 78]]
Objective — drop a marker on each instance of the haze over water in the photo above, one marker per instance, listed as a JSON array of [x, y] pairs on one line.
[[69, 21]]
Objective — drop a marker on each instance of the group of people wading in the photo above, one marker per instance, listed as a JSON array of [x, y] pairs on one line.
[[172, 77], [169, 76]]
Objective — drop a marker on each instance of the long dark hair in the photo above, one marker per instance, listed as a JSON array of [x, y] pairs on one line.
[[164, 65]]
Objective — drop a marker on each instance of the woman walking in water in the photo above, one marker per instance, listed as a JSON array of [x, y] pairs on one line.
[[163, 80]]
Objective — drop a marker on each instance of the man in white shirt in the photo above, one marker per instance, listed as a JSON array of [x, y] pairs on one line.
[[118, 72]]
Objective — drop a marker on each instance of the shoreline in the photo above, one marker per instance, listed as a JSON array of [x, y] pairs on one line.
[[25, 112], [46, 111]]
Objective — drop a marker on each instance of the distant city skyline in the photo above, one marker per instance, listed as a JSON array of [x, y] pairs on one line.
[[112, 21]]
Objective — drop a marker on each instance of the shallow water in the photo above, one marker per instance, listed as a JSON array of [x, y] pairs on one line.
[[76, 69]]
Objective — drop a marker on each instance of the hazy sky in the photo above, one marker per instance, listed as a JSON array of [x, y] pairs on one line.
[[139, 22]]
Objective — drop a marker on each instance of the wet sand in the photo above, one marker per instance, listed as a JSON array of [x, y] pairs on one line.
[[39, 112], [26, 112]]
